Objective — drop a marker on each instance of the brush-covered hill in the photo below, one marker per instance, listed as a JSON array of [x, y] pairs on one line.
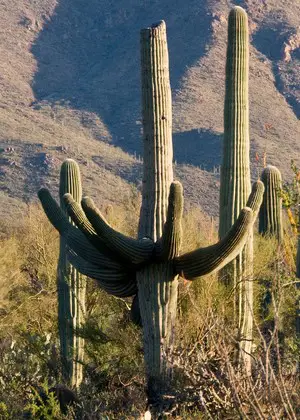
[[70, 87]]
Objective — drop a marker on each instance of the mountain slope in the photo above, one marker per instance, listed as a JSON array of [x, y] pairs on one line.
[[70, 87]]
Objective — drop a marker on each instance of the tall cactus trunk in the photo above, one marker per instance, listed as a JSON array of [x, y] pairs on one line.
[[71, 290], [156, 283], [235, 173]]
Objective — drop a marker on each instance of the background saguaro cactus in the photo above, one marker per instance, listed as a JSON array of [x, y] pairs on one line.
[[270, 226], [235, 173], [270, 214], [151, 264], [71, 288]]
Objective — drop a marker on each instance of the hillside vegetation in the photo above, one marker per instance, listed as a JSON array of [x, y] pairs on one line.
[[70, 87]]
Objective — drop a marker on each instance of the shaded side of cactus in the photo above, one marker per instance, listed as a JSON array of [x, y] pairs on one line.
[[71, 288], [235, 174], [150, 264], [270, 214]]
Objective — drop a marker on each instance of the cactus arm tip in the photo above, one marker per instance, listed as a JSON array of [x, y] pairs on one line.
[[53, 211], [77, 215], [256, 197], [92, 251], [169, 244]]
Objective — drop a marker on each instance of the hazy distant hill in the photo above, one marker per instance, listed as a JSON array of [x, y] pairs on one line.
[[70, 87]]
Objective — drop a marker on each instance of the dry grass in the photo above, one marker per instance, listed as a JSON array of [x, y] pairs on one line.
[[207, 382], [28, 280]]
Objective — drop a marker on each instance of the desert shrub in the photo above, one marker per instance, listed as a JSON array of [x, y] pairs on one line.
[[28, 279], [207, 382]]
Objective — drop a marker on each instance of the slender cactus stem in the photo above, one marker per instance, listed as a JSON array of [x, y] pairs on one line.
[[235, 175]]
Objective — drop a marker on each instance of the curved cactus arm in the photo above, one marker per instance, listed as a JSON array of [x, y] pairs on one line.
[[75, 239], [77, 242], [117, 283], [169, 245], [212, 258], [81, 221], [256, 197], [128, 249]]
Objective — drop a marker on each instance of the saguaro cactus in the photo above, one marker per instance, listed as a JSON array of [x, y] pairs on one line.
[[270, 214], [151, 264], [71, 288], [235, 173], [270, 225]]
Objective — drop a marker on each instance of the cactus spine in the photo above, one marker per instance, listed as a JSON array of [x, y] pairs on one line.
[[270, 214], [71, 288], [151, 264], [235, 172]]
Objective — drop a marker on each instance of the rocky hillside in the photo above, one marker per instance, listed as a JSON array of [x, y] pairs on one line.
[[70, 87]]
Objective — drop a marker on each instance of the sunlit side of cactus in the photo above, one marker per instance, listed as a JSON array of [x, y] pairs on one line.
[[71, 288], [235, 175]]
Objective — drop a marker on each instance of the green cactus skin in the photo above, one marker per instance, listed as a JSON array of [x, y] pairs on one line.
[[270, 215], [157, 282], [151, 264], [235, 169], [71, 289], [235, 174], [270, 226]]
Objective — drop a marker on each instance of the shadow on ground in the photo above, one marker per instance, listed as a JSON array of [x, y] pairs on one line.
[[269, 40], [202, 148], [88, 56]]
